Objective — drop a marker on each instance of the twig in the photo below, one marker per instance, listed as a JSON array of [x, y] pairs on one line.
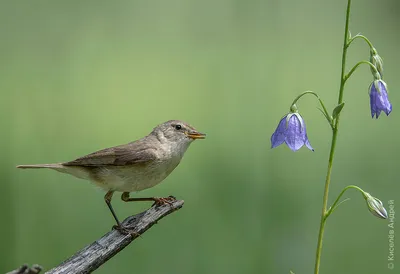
[[25, 269], [94, 255]]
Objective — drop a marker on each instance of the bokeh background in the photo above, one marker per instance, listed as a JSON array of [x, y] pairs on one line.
[[78, 76]]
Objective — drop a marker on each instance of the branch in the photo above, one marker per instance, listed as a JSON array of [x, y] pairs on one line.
[[25, 269], [97, 253]]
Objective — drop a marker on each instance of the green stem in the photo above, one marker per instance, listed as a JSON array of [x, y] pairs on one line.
[[359, 64], [305, 93], [333, 145], [361, 37], [319, 99], [332, 208]]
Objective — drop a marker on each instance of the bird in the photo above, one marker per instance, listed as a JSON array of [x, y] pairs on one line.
[[135, 166]]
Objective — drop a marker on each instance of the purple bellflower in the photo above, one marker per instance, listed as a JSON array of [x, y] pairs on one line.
[[379, 100], [292, 131]]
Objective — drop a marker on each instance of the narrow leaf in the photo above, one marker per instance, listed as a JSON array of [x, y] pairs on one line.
[[329, 119], [337, 110]]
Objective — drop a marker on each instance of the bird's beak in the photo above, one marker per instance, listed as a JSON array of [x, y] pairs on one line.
[[196, 135]]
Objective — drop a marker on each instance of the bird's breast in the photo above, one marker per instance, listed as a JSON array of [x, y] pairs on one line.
[[135, 177]]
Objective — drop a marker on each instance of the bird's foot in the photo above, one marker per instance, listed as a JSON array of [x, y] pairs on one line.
[[125, 231], [158, 201]]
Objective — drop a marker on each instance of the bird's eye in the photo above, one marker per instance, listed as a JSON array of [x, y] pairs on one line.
[[178, 127]]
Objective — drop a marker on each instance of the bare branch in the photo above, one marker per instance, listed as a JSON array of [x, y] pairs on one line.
[[25, 269], [97, 253]]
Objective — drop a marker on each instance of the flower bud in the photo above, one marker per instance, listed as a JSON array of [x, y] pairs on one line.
[[375, 206], [377, 61]]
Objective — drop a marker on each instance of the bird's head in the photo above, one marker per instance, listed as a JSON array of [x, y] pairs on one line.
[[177, 132]]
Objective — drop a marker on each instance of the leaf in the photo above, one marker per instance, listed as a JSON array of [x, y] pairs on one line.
[[341, 202], [336, 111], [329, 119]]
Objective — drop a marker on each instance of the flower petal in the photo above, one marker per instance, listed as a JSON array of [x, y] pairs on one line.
[[278, 137], [384, 100], [308, 145], [295, 134], [372, 100]]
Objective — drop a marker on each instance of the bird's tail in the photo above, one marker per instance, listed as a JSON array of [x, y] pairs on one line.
[[55, 166]]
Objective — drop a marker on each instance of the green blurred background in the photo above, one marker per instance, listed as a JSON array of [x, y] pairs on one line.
[[78, 76]]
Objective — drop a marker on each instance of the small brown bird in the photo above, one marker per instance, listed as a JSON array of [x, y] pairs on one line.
[[134, 166]]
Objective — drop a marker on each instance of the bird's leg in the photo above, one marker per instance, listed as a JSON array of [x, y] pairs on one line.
[[107, 199], [118, 227], [157, 201]]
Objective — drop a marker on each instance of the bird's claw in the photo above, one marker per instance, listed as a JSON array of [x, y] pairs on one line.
[[162, 201]]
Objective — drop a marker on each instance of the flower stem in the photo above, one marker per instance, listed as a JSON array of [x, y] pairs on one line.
[[333, 207], [333, 145], [324, 111], [304, 93], [357, 65], [361, 37]]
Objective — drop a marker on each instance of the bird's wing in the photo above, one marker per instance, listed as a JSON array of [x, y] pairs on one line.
[[129, 154]]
